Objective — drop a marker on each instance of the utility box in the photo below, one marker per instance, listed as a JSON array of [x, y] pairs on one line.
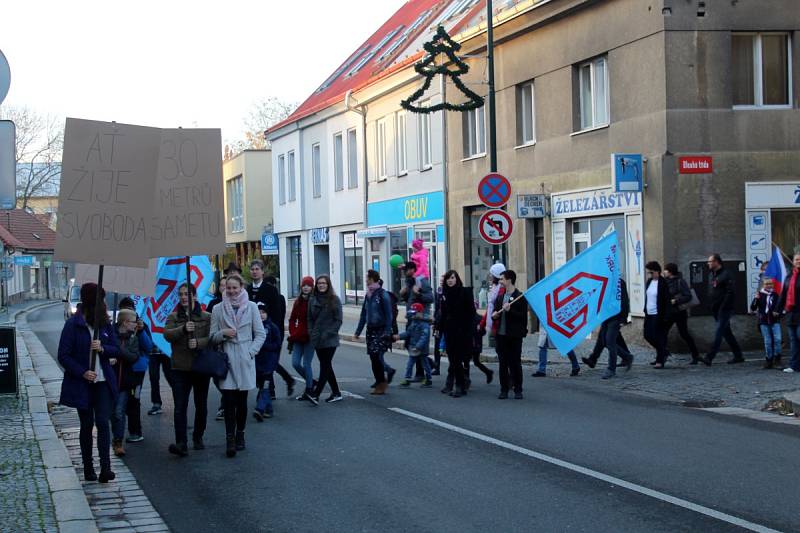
[[9, 384], [700, 277]]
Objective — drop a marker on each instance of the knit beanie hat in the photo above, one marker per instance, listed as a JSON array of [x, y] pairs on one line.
[[497, 269], [417, 307], [307, 280]]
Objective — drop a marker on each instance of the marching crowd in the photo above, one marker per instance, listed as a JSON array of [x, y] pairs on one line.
[[236, 341]]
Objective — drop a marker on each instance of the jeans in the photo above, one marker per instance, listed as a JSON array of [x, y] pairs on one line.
[[772, 339], [723, 319], [118, 415], [98, 414], [573, 359], [302, 355], [509, 352], [183, 383], [235, 402], [263, 398], [134, 410], [158, 360], [654, 334], [794, 346], [412, 362], [680, 319], [326, 373]]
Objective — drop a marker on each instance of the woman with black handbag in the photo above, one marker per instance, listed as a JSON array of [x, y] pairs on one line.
[[681, 300], [187, 335], [236, 324]]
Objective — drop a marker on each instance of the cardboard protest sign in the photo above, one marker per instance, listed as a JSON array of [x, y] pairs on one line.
[[188, 216], [106, 199], [124, 280]]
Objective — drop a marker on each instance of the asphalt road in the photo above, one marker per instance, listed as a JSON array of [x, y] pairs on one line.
[[570, 456]]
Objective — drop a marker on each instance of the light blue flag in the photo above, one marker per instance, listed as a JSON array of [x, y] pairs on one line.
[[577, 297], [171, 274]]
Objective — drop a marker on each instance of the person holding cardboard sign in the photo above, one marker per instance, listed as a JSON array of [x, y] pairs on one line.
[[89, 383]]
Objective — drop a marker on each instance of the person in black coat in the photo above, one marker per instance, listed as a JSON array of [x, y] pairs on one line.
[[680, 294], [261, 290], [791, 308], [457, 309], [723, 297], [511, 310], [657, 308]]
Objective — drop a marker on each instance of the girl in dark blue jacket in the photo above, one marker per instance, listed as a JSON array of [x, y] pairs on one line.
[[266, 362], [89, 383]]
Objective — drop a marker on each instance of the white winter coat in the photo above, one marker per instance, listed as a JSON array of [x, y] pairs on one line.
[[241, 349]]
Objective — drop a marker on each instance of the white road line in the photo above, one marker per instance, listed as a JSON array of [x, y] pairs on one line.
[[592, 473]]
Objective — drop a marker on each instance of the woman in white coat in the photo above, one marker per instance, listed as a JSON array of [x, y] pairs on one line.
[[236, 324]]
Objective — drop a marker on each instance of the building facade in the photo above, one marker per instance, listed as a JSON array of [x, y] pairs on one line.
[[704, 93]]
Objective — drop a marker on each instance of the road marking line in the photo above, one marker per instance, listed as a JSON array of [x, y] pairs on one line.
[[679, 502]]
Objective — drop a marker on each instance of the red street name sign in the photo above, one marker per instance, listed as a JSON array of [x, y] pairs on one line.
[[695, 165]]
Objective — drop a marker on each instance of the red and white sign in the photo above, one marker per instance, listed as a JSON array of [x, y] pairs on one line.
[[696, 164], [494, 190], [495, 226]]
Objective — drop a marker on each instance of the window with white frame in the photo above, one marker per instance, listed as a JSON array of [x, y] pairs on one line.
[[380, 146], [236, 204], [400, 141], [474, 132], [290, 173], [338, 162], [424, 138], [352, 159], [761, 64], [316, 171], [526, 115], [282, 179], [593, 98]]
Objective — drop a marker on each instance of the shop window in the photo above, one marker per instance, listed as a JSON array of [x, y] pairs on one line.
[[786, 230], [587, 231], [474, 132], [761, 69], [398, 242], [479, 255], [353, 269], [526, 117], [295, 266], [593, 93]]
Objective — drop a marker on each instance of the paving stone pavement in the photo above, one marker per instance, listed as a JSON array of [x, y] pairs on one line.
[[25, 502], [119, 506]]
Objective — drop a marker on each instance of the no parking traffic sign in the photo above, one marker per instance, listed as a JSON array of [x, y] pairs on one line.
[[494, 190], [495, 226]]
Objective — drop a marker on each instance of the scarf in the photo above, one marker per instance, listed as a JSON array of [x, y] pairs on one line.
[[790, 296], [371, 288], [234, 318]]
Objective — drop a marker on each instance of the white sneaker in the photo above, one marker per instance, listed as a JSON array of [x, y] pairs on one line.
[[788, 370]]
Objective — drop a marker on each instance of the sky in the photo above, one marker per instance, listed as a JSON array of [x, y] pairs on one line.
[[173, 63]]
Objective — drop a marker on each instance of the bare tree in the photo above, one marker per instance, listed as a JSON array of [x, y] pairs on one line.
[[260, 117], [39, 142]]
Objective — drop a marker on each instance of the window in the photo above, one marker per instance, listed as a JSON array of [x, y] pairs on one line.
[[352, 160], [402, 152], [474, 128], [338, 162], [282, 179], [593, 82], [526, 115], [424, 139], [761, 73], [316, 170], [236, 204], [364, 60], [292, 184], [381, 148]]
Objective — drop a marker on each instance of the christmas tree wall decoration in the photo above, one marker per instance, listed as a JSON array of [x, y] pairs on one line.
[[427, 68]]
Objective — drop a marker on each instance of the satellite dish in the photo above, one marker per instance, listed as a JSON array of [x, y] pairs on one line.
[[5, 77]]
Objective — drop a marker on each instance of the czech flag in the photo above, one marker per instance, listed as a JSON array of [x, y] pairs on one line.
[[776, 269]]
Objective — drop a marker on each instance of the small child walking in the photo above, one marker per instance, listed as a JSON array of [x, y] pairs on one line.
[[417, 336], [266, 363], [765, 306]]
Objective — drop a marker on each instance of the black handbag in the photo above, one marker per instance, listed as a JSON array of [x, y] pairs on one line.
[[211, 362]]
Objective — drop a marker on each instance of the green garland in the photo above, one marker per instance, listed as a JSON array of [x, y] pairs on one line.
[[442, 43]]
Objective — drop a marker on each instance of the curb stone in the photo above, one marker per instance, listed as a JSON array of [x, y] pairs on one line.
[[792, 400], [62, 427]]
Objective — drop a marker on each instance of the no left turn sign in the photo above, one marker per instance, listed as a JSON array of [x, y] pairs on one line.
[[495, 226]]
